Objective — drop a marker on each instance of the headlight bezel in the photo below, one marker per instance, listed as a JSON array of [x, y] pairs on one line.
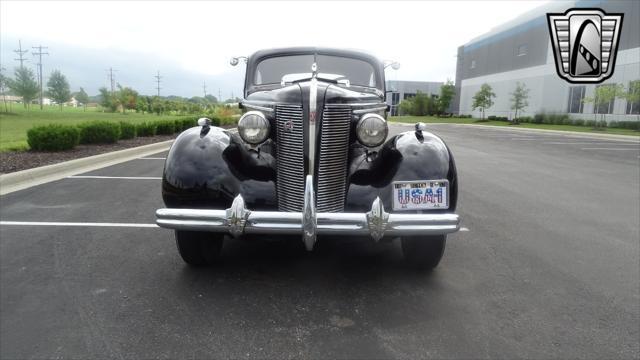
[[243, 127], [371, 140]]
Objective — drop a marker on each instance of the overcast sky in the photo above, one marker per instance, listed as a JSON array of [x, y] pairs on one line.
[[191, 42]]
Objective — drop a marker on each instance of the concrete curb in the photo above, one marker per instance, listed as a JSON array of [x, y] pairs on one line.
[[20, 180], [616, 137]]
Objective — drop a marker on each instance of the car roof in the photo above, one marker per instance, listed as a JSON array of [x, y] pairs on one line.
[[265, 53]]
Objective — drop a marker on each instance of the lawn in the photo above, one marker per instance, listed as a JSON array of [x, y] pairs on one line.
[[14, 126], [436, 120]]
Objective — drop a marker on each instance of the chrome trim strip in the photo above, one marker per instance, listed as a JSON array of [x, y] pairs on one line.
[[376, 223], [309, 221], [258, 107], [313, 98], [364, 111]]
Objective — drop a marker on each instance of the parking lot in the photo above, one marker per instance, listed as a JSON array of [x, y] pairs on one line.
[[547, 266]]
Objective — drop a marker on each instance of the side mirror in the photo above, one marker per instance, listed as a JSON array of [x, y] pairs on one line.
[[234, 61], [204, 121], [395, 65]]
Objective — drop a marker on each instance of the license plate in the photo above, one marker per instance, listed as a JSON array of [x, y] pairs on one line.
[[421, 195]]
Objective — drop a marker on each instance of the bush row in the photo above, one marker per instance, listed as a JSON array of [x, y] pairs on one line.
[[564, 119], [57, 137]]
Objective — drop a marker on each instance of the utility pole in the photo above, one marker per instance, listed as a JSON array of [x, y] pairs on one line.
[[112, 80], [20, 53], [219, 96], [40, 53], [158, 77], [204, 89]]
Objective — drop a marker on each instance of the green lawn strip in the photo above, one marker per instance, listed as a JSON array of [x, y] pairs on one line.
[[587, 129], [14, 126]]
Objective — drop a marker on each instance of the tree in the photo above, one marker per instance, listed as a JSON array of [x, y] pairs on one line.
[[632, 95], [58, 88], [83, 98], [483, 99], [24, 84], [3, 84], [107, 100], [519, 99], [603, 95], [127, 98], [447, 92]]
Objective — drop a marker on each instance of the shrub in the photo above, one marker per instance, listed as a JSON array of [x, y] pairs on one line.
[[99, 132], [127, 130], [165, 127], [578, 122], [146, 129], [537, 118], [613, 124], [601, 124], [591, 123], [53, 137], [633, 125], [189, 123], [491, 117], [525, 119]]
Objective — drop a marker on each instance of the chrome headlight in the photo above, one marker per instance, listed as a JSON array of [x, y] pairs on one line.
[[372, 130], [253, 127]]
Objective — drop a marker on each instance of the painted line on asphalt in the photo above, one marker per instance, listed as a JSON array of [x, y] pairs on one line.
[[77, 224], [464, 229], [589, 143], [115, 177], [152, 158], [525, 139], [617, 149]]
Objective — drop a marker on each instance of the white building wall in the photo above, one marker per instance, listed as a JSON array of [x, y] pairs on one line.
[[547, 91]]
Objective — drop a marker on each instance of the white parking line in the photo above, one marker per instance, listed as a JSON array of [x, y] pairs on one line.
[[464, 229], [590, 143], [152, 158], [114, 177], [601, 148], [86, 224]]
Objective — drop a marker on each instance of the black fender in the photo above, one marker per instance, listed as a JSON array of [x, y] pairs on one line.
[[207, 167], [405, 157]]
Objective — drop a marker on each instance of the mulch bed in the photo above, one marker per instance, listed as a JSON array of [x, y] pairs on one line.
[[12, 161]]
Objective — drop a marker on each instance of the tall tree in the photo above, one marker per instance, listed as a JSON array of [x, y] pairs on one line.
[[83, 98], [632, 95], [447, 92], [127, 98], [519, 99], [3, 84], [24, 84], [107, 99], [58, 88], [483, 99]]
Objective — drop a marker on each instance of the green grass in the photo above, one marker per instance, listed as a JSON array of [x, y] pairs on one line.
[[436, 120], [14, 126]]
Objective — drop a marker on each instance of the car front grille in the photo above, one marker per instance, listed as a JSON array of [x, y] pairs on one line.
[[332, 164], [290, 177]]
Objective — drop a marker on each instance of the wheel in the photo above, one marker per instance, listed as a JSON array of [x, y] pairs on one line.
[[423, 252], [199, 248]]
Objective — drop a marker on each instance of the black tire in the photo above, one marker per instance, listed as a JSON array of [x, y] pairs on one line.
[[199, 248], [423, 252]]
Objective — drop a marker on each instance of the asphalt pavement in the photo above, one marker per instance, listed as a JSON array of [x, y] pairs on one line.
[[548, 266]]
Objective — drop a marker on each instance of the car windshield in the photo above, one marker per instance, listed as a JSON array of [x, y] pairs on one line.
[[345, 70]]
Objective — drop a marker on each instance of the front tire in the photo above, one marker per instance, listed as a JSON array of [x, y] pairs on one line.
[[423, 252], [199, 248]]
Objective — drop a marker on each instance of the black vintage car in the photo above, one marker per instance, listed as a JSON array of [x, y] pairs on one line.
[[311, 158]]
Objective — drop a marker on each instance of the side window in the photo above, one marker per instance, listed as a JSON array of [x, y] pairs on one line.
[[576, 96]]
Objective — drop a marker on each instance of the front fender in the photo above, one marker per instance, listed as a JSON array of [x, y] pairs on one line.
[[209, 167], [405, 157]]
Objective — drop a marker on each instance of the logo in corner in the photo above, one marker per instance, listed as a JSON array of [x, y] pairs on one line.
[[585, 43]]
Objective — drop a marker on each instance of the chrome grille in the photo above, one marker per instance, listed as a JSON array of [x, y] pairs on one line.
[[290, 178], [332, 165]]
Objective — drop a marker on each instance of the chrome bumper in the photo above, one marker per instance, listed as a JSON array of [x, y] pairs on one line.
[[238, 220]]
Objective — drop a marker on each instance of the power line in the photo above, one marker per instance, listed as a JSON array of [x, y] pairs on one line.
[[40, 53], [112, 79], [20, 53], [158, 77]]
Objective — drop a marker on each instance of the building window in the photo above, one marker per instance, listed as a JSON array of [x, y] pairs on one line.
[[576, 95], [522, 50], [473, 64], [395, 98], [603, 108], [408, 95], [633, 103]]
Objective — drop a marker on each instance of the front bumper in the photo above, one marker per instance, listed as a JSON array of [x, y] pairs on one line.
[[238, 220]]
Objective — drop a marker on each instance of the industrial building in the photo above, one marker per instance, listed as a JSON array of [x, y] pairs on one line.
[[521, 51], [398, 90]]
